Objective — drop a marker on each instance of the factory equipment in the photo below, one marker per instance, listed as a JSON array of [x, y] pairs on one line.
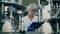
[[10, 14], [55, 15]]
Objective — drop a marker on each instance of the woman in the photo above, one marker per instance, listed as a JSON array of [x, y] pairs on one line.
[[30, 18]]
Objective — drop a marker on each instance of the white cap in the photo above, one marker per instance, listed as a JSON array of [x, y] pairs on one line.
[[32, 6]]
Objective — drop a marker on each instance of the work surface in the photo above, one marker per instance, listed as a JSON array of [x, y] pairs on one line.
[[25, 33]]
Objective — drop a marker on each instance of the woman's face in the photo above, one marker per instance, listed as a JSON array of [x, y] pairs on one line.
[[31, 12]]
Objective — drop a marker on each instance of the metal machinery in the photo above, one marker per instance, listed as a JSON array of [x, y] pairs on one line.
[[11, 10], [55, 6], [55, 14]]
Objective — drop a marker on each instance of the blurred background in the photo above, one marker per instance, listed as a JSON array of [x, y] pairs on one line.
[[12, 11]]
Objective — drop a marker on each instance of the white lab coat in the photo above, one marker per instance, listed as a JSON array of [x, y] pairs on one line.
[[46, 27], [26, 22], [7, 26], [46, 14]]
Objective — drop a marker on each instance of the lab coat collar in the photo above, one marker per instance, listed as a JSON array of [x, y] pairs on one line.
[[32, 18]]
